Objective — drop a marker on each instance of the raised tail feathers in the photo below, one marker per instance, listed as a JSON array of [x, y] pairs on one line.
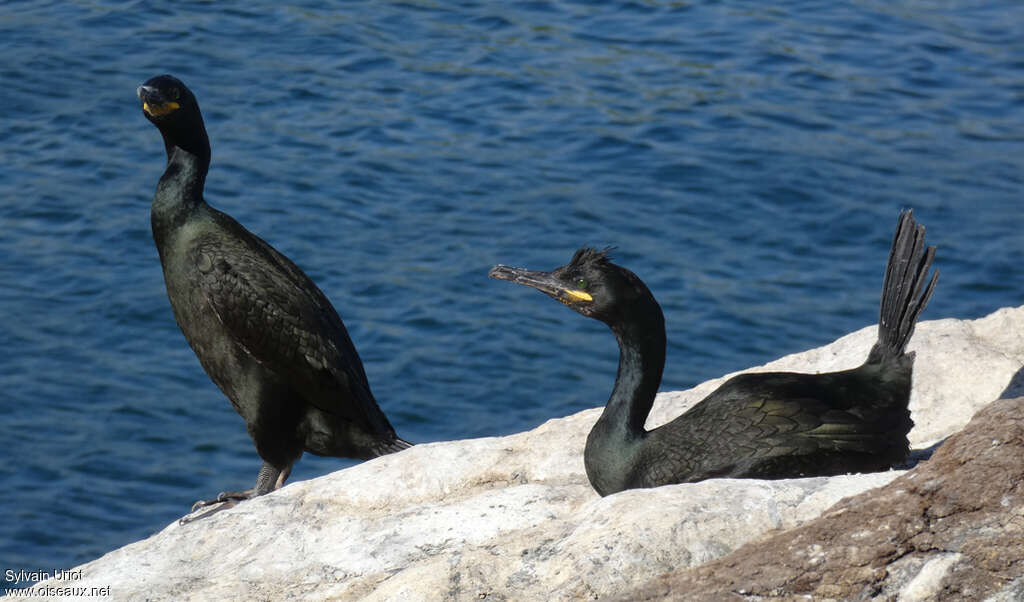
[[903, 299]]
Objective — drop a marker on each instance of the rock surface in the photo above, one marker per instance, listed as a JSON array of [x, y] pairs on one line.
[[950, 529], [514, 517]]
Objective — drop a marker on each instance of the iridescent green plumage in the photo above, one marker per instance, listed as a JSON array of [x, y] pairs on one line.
[[757, 425], [262, 330]]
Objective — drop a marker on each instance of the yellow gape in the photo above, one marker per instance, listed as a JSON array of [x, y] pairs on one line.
[[579, 295], [160, 110]]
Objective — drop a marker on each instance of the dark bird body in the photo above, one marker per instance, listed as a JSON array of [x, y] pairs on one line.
[[262, 330], [765, 425]]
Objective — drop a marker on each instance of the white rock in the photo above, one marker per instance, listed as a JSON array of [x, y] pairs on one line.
[[927, 585], [514, 517]]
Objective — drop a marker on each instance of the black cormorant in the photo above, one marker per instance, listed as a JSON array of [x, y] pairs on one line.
[[262, 330], [765, 425]]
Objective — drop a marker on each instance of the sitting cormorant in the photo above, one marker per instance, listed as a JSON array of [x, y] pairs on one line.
[[765, 425], [263, 331]]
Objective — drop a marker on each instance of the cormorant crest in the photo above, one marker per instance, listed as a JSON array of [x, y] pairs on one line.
[[590, 255]]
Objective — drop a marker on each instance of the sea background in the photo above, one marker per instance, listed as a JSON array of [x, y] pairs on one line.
[[747, 159]]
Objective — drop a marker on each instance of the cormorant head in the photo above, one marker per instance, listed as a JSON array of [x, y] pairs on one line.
[[172, 108], [165, 99], [592, 285]]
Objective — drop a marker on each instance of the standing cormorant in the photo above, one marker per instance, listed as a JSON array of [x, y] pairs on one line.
[[766, 425], [263, 332]]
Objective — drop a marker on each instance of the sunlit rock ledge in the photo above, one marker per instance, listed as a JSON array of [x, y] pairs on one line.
[[515, 518]]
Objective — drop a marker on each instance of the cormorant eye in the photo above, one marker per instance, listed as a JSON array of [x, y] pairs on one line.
[[581, 284], [173, 94]]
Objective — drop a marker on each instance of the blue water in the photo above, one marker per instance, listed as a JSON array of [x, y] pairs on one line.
[[747, 159]]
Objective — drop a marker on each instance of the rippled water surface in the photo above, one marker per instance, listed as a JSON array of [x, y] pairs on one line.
[[747, 159]]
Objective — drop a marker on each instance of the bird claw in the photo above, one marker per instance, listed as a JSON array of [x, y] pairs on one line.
[[227, 499], [223, 496]]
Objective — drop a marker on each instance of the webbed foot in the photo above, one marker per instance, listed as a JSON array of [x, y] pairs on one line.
[[226, 499]]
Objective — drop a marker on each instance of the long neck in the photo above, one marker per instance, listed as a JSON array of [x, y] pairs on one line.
[[641, 362], [180, 189]]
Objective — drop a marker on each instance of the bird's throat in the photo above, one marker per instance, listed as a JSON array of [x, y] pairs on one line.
[[180, 190]]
